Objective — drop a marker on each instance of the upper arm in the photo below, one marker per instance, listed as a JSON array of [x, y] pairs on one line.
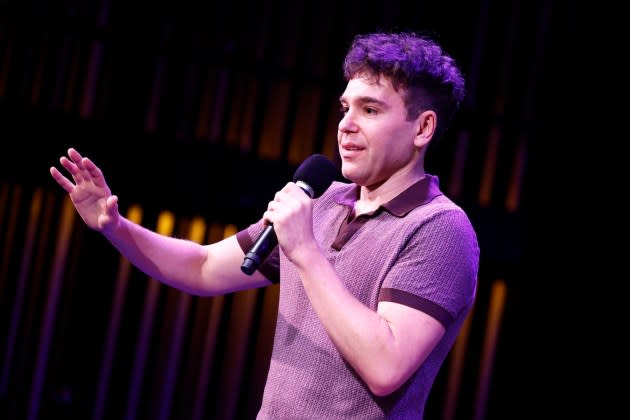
[[415, 335]]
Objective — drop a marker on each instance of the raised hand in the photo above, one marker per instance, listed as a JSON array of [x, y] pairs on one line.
[[89, 192]]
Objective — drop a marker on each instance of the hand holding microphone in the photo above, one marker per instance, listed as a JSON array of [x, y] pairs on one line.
[[313, 176]]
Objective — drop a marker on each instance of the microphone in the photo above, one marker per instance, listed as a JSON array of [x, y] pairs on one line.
[[314, 176]]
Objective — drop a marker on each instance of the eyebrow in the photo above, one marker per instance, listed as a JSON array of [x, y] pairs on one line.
[[366, 100]]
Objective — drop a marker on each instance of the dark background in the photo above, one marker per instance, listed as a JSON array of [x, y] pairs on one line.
[[204, 110]]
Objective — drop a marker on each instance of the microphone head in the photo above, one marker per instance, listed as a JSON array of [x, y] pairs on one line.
[[318, 172]]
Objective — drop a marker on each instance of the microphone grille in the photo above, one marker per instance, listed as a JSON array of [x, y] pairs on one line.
[[318, 172]]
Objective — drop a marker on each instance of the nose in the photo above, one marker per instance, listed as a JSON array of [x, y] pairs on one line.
[[347, 123]]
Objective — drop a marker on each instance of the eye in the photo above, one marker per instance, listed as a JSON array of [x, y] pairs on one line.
[[371, 111], [343, 109]]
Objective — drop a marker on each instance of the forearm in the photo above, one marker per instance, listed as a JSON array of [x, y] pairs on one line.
[[173, 261]]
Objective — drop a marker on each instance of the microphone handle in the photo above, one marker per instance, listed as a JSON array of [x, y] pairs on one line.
[[261, 249]]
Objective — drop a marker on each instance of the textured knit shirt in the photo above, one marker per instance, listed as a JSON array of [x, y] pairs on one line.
[[419, 250]]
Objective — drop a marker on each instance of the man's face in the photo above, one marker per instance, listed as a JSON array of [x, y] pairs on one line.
[[376, 142]]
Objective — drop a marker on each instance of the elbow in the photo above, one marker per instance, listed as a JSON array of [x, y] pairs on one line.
[[385, 383], [382, 391]]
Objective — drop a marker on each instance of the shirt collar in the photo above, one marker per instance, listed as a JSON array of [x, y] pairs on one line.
[[416, 195]]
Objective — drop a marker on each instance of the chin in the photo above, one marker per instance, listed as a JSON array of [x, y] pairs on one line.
[[348, 174], [353, 178], [353, 172]]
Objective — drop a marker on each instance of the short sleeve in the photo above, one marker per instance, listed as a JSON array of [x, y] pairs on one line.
[[270, 266], [436, 271]]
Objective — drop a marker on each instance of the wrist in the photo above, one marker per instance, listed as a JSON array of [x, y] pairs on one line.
[[113, 227]]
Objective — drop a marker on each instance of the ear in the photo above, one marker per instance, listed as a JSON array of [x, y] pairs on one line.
[[427, 121]]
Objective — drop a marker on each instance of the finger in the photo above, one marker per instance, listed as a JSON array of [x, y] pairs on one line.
[[72, 168], [61, 180], [95, 172], [282, 195], [268, 215], [265, 219], [295, 190], [76, 157], [287, 186]]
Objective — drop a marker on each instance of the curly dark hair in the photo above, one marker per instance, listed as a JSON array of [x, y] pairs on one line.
[[429, 77]]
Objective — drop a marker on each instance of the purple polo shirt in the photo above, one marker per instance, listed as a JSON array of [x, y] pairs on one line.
[[418, 250]]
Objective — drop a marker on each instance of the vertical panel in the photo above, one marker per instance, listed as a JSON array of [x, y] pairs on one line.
[[243, 113], [458, 168], [249, 115], [186, 106], [319, 34], [62, 59], [9, 237], [305, 128], [150, 124], [275, 120], [205, 362], [491, 338], [165, 225], [4, 200], [180, 318], [210, 331], [203, 365], [103, 14], [21, 287], [134, 214], [50, 309], [262, 353], [480, 43], [220, 106], [236, 349], [91, 79], [36, 86], [456, 370], [261, 24], [489, 167], [205, 108], [239, 329], [6, 62], [73, 77], [330, 135], [286, 46], [513, 198]]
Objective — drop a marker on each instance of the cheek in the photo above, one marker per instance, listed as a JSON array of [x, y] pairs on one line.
[[386, 137], [402, 135]]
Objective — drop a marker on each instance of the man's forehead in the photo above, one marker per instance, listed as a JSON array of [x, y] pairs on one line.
[[368, 88]]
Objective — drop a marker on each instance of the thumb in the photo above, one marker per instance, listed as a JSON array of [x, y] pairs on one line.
[[111, 203]]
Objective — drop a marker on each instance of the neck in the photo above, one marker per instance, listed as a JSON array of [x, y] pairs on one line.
[[372, 197]]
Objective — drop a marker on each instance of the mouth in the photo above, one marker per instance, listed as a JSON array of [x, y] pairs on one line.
[[348, 152], [351, 147]]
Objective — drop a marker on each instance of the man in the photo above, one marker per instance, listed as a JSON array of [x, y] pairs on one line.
[[376, 276]]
